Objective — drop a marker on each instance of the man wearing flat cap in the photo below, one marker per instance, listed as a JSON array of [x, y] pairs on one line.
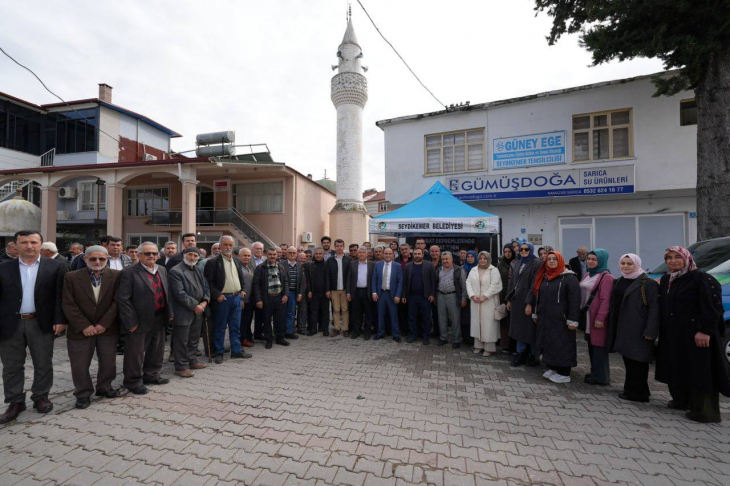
[[190, 295]]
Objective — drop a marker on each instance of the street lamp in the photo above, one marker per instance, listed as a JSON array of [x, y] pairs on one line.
[[99, 187]]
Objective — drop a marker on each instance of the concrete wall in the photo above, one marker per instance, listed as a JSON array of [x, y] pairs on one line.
[[313, 205], [12, 159]]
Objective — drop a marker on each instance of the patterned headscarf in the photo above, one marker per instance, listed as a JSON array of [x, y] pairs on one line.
[[551, 273], [637, 266], [602, 256], [689, 263]]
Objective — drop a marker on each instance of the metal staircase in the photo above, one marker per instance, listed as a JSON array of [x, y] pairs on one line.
[[9, 190]]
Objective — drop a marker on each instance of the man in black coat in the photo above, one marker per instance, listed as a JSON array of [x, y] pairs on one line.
[[319, 318], [30, 316], [338, 267], [11, 252], [578, 263], [359, 294], [143, 300], [188, 241], [270, 284], [419, 291]]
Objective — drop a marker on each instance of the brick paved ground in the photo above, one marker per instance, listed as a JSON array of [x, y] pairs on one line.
[[336, 411]]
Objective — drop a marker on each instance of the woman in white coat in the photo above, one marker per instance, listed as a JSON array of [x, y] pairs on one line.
[[483, 286]]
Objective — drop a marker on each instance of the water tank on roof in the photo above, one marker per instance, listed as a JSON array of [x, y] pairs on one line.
[[226, 150], [228, 136]]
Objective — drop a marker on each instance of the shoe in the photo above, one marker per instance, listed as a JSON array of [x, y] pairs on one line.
[[157, 381], [291, 335], [346, 334], [269, 344], [519, 359], [674, 405], [325, 333], [426, 342], [335, 333], [110, 393], [241, 355], [198, 366], [548, 374], [396, 339], [591, 381], [141, 390], [411, 339], [557, 378], [246, 343], [12, 412], [83, 403], [378, 337], [185, 373], [477, 350], [311, 333], [623, 396], [506, 351], [282, 342], [487, 354], [218, 359], [367, 337], [532, 361], [456, 345], [442, 342], [43, 405]]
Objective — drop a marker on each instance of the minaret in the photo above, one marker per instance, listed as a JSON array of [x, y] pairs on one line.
[[349, 219]]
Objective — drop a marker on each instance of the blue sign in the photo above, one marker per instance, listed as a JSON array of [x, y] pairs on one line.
[[692, 215], [600, 181], [534, 150]]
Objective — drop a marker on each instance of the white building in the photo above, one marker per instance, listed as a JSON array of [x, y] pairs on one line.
[[631, 157]]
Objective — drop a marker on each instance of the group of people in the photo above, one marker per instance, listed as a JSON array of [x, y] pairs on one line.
[[108, 300], [548, 301]]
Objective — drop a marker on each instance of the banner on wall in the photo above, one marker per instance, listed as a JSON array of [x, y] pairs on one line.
[[533, 150], [599, 181], [435, 225]]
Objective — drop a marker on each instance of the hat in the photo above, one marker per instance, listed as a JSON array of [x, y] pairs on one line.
[[192, 249]]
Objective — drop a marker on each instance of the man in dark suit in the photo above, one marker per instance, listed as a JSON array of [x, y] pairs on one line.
[[296, 290], [419, 292], [30, 315], [269, 290], [188, 241], [190, 295], [319, 319], [338, 267], [578, 263], [11, 252], [387, 287], [169, 251], [303, 305], [359, 294], [248, 267], [227, 294], [90, 304], [144, 306]]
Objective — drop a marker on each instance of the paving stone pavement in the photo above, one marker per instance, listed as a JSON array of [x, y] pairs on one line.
[[338, 411]]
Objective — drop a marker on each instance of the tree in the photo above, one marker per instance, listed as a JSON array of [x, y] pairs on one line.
[[692, 36]]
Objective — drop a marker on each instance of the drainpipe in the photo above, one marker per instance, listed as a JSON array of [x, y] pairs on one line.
[[296, 213]]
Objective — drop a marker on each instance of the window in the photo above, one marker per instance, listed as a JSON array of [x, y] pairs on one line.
[[157, 238], [259, 197], [383, 206], [448, 153], [204, 197], [687, 113], [602, 136], [142, 201], [87, 196], [76, 132]]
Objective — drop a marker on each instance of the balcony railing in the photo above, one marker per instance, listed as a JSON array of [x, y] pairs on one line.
[[213, 217]]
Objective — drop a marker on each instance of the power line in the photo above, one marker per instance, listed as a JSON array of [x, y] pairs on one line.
[[401, 57], [62, 100]]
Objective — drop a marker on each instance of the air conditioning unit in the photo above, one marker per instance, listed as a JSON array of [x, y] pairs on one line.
[[67, 192], [63, 215], [306, 237], [150, 157]]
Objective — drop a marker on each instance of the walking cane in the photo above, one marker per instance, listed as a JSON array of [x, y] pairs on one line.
[[207, 334]]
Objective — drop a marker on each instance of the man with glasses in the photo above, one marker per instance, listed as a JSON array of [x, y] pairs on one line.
[[93, 325], [144, 306]]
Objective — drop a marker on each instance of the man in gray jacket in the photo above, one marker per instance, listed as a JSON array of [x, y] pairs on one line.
[[189, 294]]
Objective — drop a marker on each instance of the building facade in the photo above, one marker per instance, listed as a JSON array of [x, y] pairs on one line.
[[605, 165], [97, 168]]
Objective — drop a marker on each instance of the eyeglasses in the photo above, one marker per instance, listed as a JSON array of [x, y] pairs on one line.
[[552, 259], [524, 249], [150, 253], [95, 259]]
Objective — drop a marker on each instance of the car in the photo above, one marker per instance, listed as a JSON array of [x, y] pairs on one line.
[[713, 257]]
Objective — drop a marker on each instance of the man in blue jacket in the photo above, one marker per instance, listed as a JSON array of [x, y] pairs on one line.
[[387, 285]]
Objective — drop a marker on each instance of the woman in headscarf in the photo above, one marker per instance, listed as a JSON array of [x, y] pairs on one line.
[[556, 295], [595, 303], [690, 358], [483, 285], [521, 326], [469, 262], [634, 325], [504, 265]]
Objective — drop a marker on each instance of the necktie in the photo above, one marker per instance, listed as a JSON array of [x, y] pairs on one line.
[[386, 276]]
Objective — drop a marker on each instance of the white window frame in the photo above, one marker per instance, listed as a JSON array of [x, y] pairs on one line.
[[134, 188], [79, 198], [259, 181], [681, 120], [610, 128], [383, 207], [466, 145]]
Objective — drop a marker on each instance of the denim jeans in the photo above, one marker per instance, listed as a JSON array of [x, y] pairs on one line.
[[228, 313], [291, 310], [522, 346]]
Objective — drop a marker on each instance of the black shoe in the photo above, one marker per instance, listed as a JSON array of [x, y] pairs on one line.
[[367, 337], [140, 390], [311, 333], [12, 412], [241, 355], [591, 381], [396, 339], [442, 342], [623, 396], [218, 359], [83, 403], [282, 342], [456, 345], [157, 381], [520, 359], [269, 344], [110, 393], [532, 361], [426, 342], [411, 339], [378, 337], [325, 333], [291, 335]]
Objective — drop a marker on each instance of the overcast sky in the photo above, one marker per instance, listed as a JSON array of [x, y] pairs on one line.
[[262, 67]]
